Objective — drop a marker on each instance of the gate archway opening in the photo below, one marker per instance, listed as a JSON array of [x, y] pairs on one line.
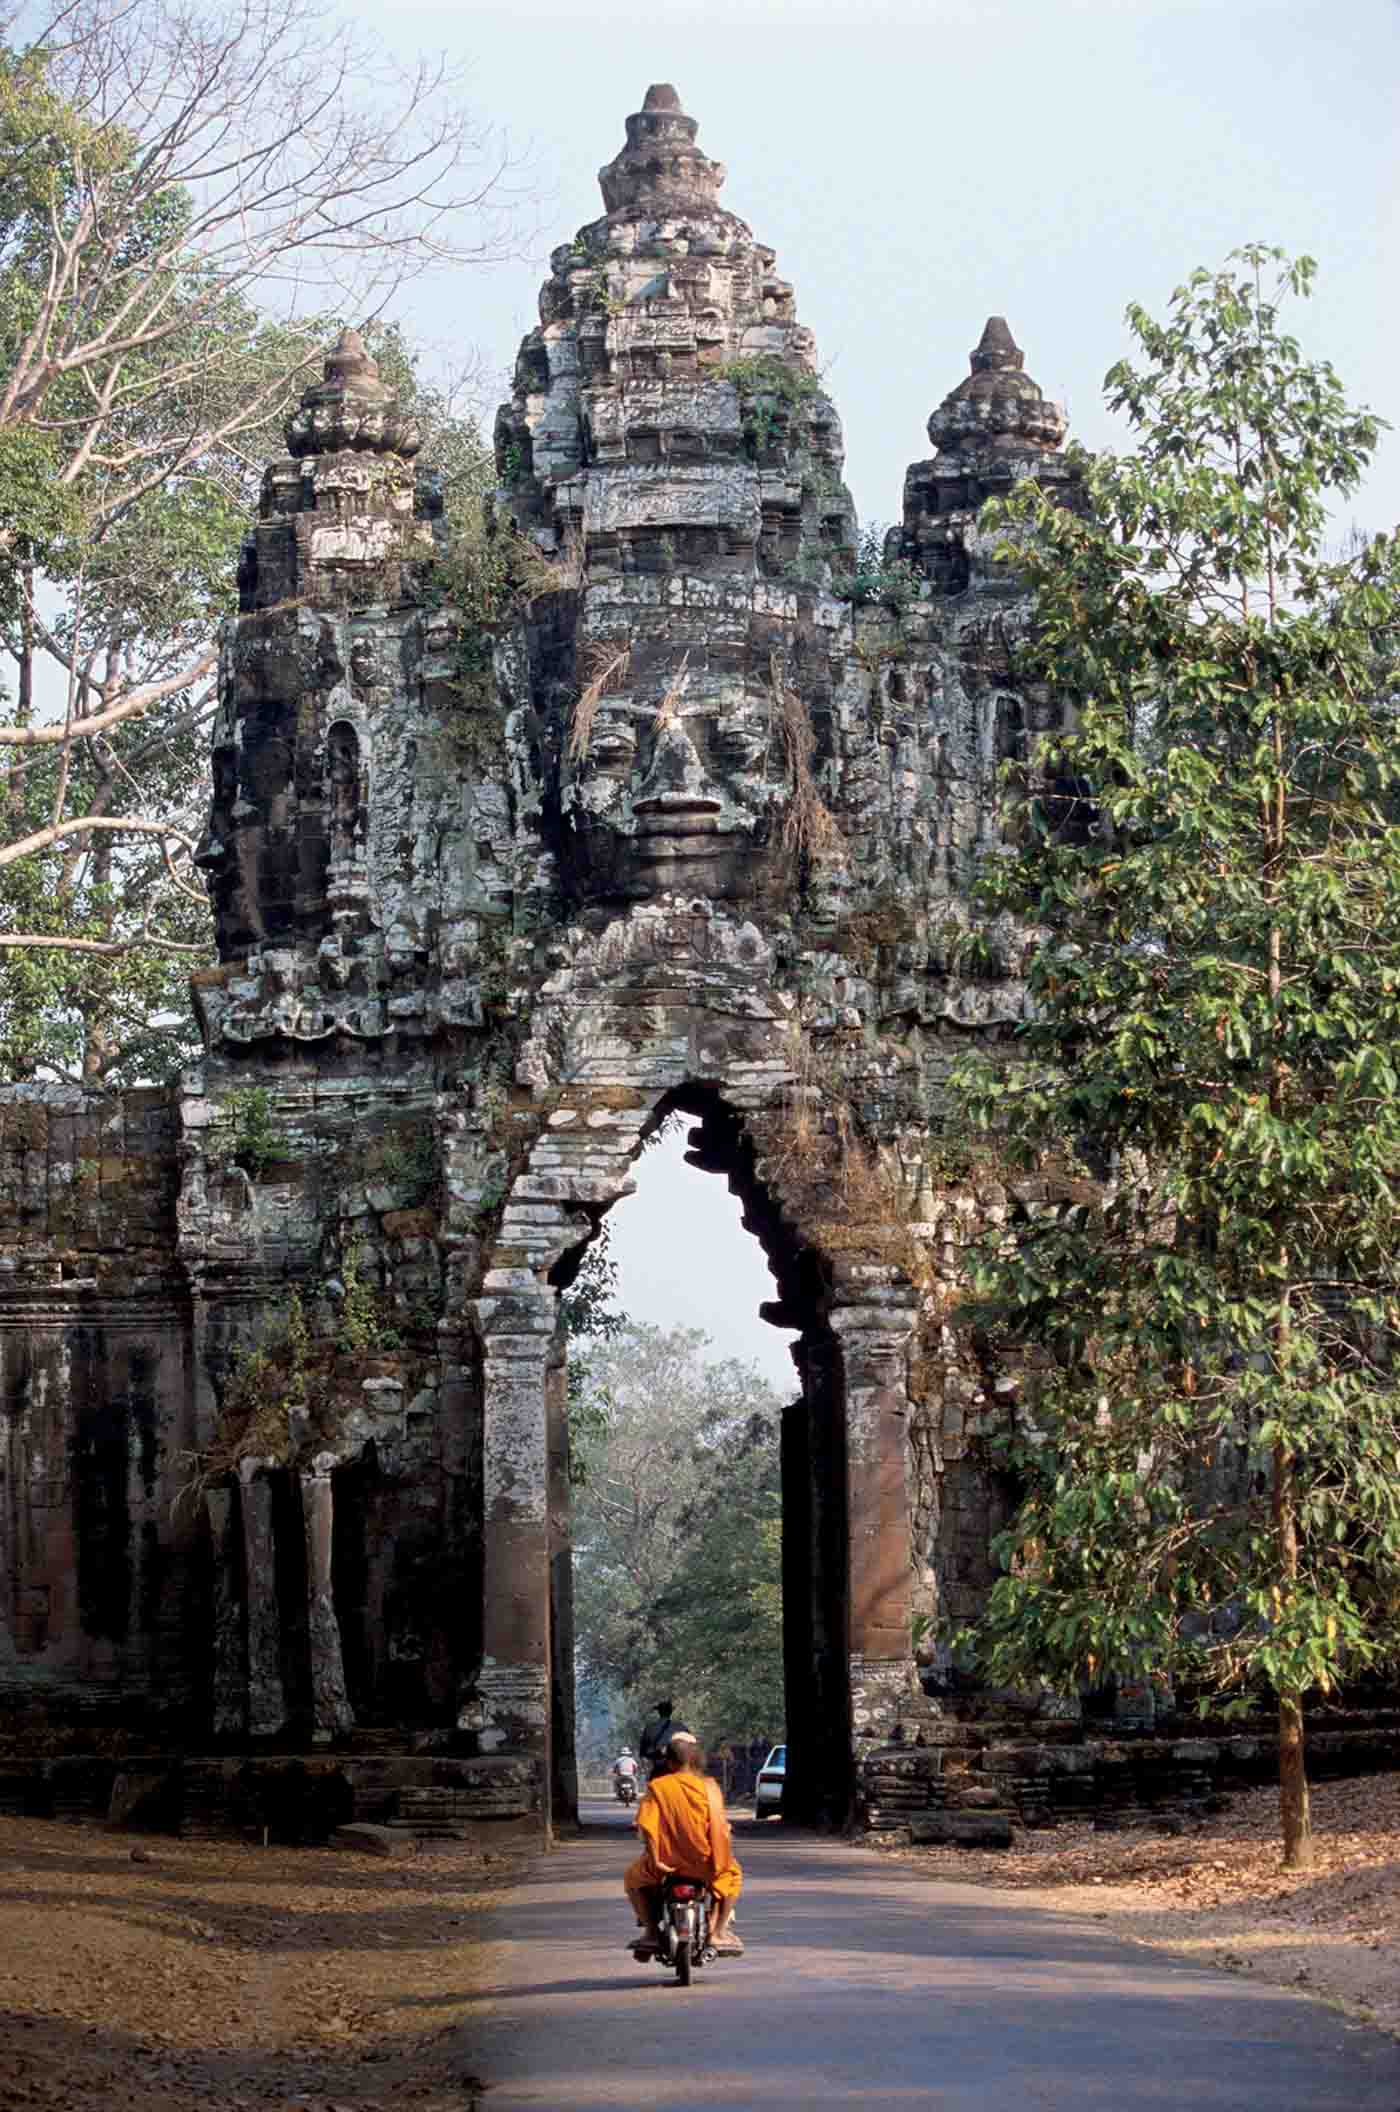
[[811, 1439]]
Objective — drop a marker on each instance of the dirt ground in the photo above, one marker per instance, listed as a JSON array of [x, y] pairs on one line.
[[163, 1975], [214, 1974], [1218, 1893]]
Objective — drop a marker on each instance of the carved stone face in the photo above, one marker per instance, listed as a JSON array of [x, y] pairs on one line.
[[677, 794]]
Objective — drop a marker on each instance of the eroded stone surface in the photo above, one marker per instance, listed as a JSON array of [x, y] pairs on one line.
[[694, 829]]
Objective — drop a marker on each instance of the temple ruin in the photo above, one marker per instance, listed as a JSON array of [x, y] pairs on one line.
[[690, 826]]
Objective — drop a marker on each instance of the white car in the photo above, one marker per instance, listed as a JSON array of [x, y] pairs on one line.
[[768, 1789]]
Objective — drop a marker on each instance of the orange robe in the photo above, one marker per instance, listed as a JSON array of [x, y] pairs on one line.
[[683, 1828]]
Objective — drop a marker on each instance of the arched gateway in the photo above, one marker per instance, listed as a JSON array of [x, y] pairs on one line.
[[669, 802]]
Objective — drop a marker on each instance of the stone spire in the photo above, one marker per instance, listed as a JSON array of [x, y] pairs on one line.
[[998, 408], [351, 409], [661, 169], [995, 427]]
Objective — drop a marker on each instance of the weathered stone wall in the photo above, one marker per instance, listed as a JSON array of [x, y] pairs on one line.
[[693, 828], [103, 1567], [967, 1784]]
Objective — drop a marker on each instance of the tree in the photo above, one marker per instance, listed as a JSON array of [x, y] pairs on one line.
[[1210, 1439], [677, 1576], [188, 199], [721, 1614]]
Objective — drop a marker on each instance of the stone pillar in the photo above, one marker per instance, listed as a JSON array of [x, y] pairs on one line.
[[801, 1800], [874, 1341], [330, 1703], [563, 1762], [267, 1701], [513, 1684], [229, 1681], [822, 1789]]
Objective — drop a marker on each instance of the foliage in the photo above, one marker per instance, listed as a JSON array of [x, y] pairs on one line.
[[405, 1160], [588, 1313], [770, 390], [365, 1328], [1211, 857], [766, 375], [677, 1574], [314, 1365], [873, 578], [254, 1130], [722, 1612]]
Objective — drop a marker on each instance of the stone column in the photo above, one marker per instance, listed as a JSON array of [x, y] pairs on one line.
[[229, 1680], [874, 1339], [267, 1701], [513, 1685], [330, 1703], [563, 1762], [822, 1788], [802, 1799]]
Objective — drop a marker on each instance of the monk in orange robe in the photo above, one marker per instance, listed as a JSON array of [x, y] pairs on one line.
[[684, 1834]]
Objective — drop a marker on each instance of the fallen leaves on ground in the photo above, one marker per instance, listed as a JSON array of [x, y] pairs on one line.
[[1219, 1893], [248, 1977]]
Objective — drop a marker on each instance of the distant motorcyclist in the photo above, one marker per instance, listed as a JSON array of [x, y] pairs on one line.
[[657, 1733], [624, 1775]]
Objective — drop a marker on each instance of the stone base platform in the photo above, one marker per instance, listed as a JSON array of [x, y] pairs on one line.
[[288, 1797], [968, 1781]]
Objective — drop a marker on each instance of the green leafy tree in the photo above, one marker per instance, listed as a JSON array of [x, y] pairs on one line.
[[677, 1572], [1210, 1431], [721, 1614]]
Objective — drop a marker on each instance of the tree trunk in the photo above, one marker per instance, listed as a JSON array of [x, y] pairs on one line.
[[1294, 1804], [97, 1039], [1294, 1809]]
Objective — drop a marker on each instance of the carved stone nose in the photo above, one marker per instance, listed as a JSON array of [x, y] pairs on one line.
[[676, 782]]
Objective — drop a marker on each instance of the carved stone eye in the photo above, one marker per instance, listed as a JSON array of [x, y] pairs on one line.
[[612, 745], [741, 743]]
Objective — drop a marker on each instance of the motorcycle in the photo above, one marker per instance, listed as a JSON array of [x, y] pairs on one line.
[[625, 1789], [685, 1927]]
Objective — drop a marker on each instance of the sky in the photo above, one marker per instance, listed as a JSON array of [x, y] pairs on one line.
[[919, 165], [684, 1260]]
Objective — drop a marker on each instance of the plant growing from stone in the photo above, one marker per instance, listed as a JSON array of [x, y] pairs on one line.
[[872, 579], [254, 1130], [770, 391], [1210, 1450]]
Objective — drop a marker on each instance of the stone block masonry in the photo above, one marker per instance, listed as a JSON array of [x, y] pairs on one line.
[[966, 1787], [688, 826]]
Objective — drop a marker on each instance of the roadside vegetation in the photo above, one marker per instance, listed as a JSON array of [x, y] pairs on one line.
[[1207, 1441]]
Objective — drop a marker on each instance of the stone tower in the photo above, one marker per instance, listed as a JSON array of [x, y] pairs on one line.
[[688, 823]]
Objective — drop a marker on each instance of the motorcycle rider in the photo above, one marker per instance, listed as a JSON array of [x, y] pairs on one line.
[[656, 1732], [684, 1834], [624, 1769]]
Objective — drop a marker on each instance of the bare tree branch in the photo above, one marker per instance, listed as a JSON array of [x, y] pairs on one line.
[[127, 707], [117, 824]]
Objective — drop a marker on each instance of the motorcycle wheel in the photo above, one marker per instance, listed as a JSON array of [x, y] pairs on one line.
[[683, 1960]]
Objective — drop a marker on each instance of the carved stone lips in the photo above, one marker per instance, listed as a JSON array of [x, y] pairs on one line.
[[678, 825]]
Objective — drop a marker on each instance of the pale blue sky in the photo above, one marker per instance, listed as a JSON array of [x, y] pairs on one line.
[[684, 1260], [918, 167]]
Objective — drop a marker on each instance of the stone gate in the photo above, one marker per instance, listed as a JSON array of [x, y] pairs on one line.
[[666, 797]]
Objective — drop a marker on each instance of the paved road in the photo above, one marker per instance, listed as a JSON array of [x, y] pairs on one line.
[[868, 1987]]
